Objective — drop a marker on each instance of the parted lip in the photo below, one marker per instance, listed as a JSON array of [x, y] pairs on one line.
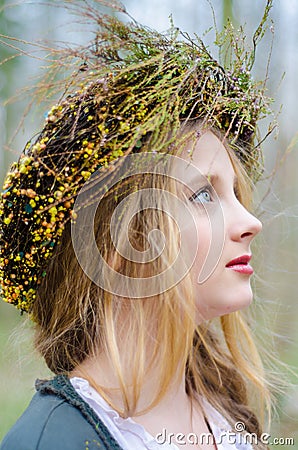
[[244, 259]]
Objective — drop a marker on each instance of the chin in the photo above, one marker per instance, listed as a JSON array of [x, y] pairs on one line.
[[239, 300]]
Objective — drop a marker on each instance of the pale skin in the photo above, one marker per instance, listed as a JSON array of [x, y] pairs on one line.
[[224, 291]]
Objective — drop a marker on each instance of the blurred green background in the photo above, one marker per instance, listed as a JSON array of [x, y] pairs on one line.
[[276, 252]]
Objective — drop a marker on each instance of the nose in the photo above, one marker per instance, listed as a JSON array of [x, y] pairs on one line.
[[242, 223]]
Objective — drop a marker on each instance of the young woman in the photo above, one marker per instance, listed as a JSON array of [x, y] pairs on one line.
[[126, 232]]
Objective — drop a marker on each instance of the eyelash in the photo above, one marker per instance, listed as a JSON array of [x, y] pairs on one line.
[[207, 188]]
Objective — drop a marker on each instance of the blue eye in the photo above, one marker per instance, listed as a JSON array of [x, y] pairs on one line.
[[203, 196]]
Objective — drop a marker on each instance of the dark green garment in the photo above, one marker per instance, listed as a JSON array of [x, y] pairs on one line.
[[58, 419]]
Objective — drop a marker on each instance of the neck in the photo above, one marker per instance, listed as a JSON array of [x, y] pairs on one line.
[[174, 411], [101, 375]]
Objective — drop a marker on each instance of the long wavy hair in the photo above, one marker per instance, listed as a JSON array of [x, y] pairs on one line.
[[76, 319]]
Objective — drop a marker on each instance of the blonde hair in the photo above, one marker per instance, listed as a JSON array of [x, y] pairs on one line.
[[76, 318]]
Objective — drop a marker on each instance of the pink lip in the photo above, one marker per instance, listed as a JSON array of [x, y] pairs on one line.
[[241, 265]]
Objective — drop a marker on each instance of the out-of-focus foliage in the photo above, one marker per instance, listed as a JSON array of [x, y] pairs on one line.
[[8, 68]]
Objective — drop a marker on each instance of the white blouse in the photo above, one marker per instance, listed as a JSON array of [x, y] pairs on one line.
[[131, 435]]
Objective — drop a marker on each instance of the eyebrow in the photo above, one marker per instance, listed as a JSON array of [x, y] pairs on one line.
[[214, 177]]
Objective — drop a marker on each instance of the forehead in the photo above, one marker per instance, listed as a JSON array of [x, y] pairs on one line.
[[209, 156]]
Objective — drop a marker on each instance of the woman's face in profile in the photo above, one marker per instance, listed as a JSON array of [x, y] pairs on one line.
[[224, 231], [216, 231]]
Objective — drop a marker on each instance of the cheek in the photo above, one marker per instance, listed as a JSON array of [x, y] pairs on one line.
[[211, 241], [203, 241], [199, 243]]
